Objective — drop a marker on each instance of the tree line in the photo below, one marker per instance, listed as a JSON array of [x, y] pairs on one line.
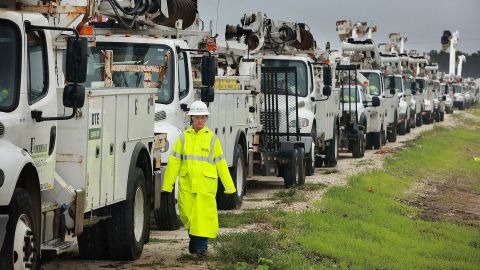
[[471, 67]]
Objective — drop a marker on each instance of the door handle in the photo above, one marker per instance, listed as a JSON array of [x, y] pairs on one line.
[[136, 106]]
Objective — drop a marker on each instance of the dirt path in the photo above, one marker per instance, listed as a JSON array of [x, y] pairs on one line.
[[166, 249]]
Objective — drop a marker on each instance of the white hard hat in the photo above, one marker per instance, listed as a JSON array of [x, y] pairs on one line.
[[198, 108]]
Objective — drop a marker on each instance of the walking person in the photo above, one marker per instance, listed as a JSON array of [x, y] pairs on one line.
[[198, 158]]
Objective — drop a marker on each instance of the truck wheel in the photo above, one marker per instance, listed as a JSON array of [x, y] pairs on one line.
[[302, 166], [129, 226], [392, 135], [402, 129], [413, 119], [239, 177], [419, 122], [93, 242], [376, 139], [310, 161], [358, 147], [331, 153], [318, 162], [21, 245], [442, 116], [383, 136], [292, 170], [166, 217]]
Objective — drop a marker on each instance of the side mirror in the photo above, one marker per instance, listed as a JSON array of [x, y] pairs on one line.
[[207, 94], [327, 76], [375, 101], [444, 98], [392, 85], [73, 96], [76, 60], [209, 67], [327, 90]]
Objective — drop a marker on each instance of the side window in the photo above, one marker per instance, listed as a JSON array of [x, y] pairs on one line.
[[183, 75], [37, 66]]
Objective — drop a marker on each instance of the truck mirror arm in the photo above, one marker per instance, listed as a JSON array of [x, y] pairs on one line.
[[37, 115]]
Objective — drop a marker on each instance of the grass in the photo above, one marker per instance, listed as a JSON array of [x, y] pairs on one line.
[[289, 196], [234, 220], [366, 226]]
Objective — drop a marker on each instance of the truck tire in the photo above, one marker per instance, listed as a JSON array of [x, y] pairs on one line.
[[358, 149], [291, 171], [442, 116], [23, 231], [419, 120], [392, 135], [302, 166], [129, 227], [331, 152], [412, 121], [310, 157], [375, 140], [383, 136], [93, 242], [239, 177], [166, 217], [402, 129]]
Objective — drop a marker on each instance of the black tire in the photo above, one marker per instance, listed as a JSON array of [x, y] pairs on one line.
[[302, 166], [166, 217], [419, 120], [408, 128], [375, 140], [93, 242], [331, 152], [413, 119], [383, 136], [21, 205], [392, 135], [291, 170], [310, 157], [442, 116], [318, 162], [124, 244], [402, 129], [358, 146], [233, 201]]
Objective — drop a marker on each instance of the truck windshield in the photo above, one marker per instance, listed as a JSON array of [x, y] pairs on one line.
[[348, 94], [131, 54], [374, 84], [301, 69], [457, 89], [9, 49]]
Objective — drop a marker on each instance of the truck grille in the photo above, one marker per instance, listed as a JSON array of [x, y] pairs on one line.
[[160, 116]]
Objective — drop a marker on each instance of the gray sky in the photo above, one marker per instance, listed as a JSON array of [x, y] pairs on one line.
[[422, 20]]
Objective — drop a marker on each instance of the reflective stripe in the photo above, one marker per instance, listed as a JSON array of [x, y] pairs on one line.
[[177, 155], [212, 145], [218, 159], [199, 158]]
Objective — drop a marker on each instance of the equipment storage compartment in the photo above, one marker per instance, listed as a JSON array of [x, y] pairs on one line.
[[95, 148]]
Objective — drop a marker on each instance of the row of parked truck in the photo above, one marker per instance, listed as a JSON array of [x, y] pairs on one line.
[[94, 93]]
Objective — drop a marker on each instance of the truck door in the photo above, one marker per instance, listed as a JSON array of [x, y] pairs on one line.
[[41, 95]]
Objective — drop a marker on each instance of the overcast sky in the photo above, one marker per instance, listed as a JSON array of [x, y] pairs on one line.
[[422, 20]]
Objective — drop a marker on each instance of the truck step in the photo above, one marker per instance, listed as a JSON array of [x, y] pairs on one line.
[[57, 247]]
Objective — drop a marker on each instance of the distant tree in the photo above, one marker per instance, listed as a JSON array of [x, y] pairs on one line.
[[471, 68]]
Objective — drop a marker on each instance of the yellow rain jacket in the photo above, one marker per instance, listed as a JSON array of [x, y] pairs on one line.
[[198, 158]]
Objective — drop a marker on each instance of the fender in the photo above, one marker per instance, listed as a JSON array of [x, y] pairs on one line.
[[241, 139], [144, 162], [13, 160]]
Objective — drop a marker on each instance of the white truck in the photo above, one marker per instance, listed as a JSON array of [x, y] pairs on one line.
[[359, 47], [85, 170]]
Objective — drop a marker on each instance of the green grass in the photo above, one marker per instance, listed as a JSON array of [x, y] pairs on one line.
[[289, 196], [365, 226], [234, 220]]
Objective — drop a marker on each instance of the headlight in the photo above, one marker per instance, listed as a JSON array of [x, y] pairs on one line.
[[302, 122]]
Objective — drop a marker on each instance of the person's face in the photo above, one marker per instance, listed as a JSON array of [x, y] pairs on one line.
[[198, 121]]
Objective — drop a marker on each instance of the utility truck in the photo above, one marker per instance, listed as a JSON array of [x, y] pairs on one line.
[[358, 46], [75, 158]]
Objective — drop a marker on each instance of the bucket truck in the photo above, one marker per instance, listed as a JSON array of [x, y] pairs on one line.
[[358, 46], [75, 155]]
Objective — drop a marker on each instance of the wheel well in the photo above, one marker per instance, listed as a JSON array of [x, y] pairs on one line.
[[29, 181], [242, 140], [143, 162]]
